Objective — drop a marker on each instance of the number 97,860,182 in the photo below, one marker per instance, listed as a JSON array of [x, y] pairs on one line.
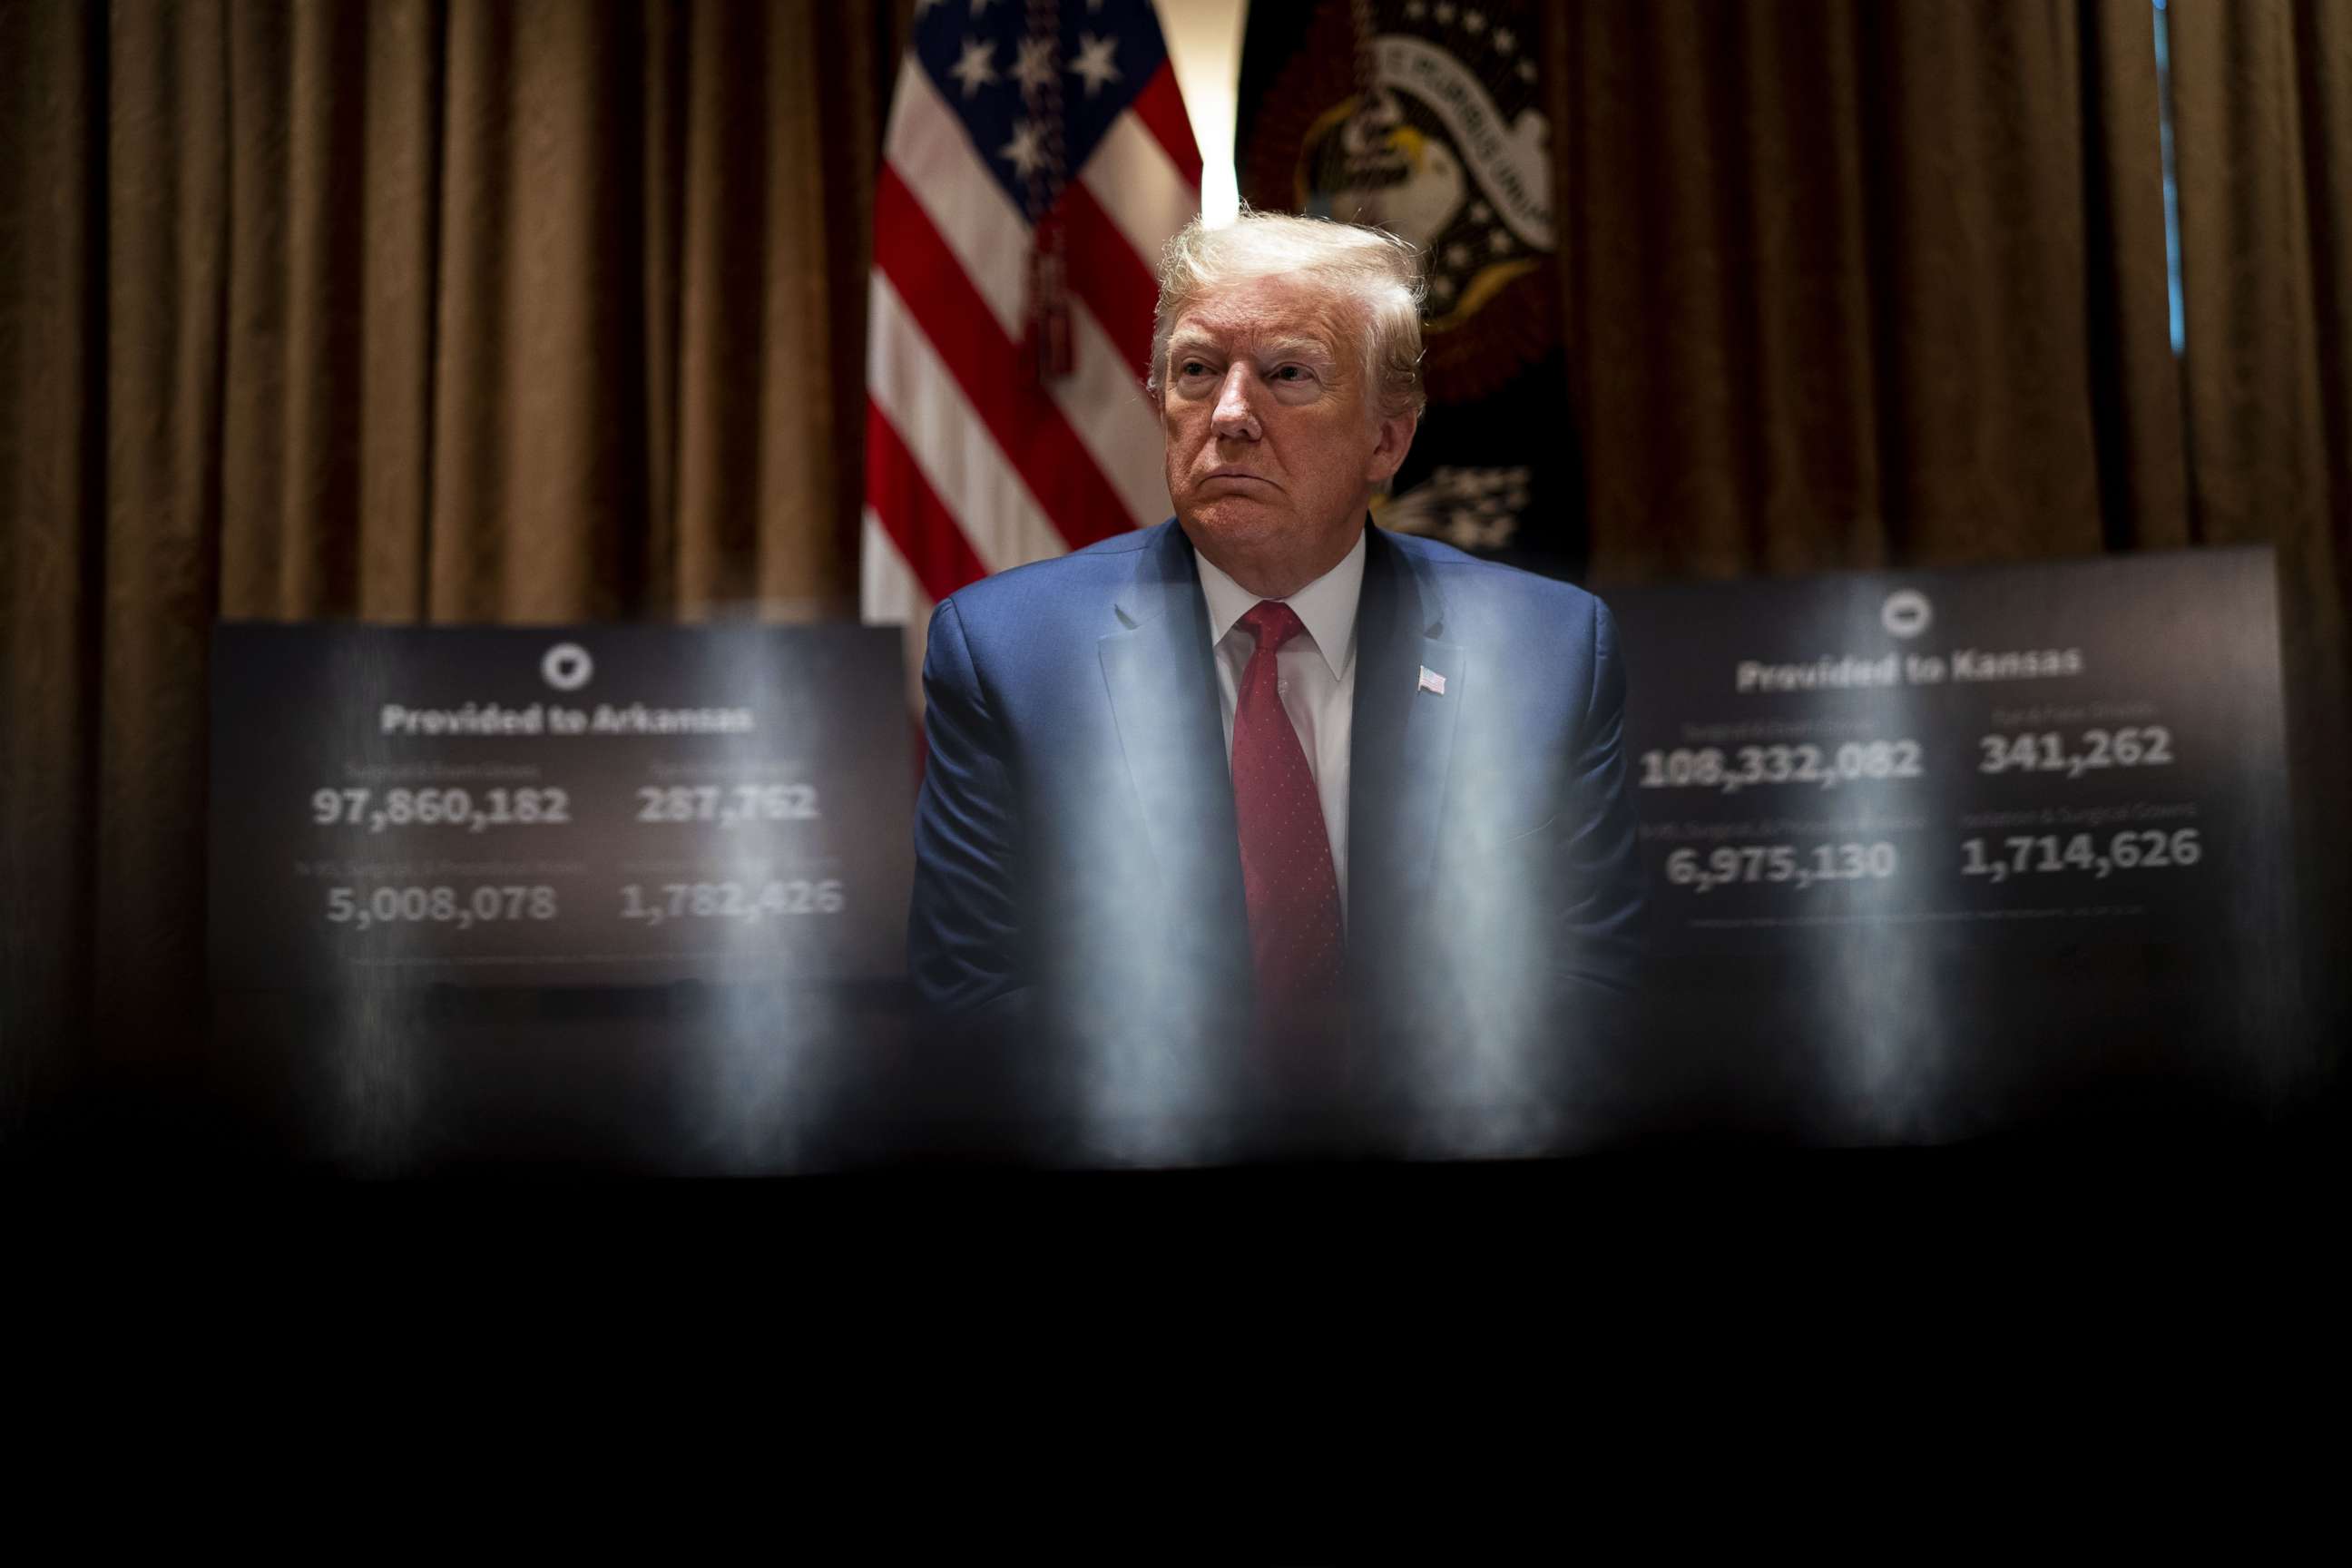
[[376, 811]]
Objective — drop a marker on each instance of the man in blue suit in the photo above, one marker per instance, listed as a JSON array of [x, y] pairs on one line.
[[1266, 817]]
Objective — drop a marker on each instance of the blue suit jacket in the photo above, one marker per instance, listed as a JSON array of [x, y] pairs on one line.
[[1077, 886]]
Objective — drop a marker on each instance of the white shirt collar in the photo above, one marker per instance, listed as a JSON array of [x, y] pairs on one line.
[[1327, 607]]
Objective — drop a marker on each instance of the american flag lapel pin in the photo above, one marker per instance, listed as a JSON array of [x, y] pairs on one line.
[[1433, 683]]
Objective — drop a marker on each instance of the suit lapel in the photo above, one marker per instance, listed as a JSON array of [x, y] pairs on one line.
[[1401, 752], [1164, 696], [1159, 669]]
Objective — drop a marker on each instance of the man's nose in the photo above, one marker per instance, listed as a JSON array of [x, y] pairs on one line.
[[1236, 415]]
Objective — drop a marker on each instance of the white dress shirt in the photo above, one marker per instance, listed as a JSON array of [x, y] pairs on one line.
[[1316, 674]]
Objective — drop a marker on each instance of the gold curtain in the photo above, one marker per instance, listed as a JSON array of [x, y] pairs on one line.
[[2262, 123], [1855, 285], [410, 311]]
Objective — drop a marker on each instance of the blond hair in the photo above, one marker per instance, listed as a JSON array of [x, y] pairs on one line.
[[1371, 268]]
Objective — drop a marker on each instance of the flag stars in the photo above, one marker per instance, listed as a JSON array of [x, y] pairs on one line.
[[1527, 70], [1481, 213], [1473, 21], [1506, 40], [1501, 240], [1094, 62], [1444, 11], [1034, 69], [976, 69], [1457, 255], [980, 7], [1027, 151]]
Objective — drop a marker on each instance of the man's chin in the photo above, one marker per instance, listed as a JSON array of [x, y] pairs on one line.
[[1237, 501], [1234, 523]]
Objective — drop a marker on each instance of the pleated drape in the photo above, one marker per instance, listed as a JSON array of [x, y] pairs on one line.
[[2263, 111], [416, 310], [542, 310], [1854, 283], [53, 451]]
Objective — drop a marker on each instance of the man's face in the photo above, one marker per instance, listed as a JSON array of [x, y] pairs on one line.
[[1274, 447]]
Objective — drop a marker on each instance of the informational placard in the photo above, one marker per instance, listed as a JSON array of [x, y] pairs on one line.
[[585, 805], [1937, 855], [2077, 750]]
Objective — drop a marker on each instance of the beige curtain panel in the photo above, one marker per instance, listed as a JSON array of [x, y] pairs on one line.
[[404, 310], [1854, 284]]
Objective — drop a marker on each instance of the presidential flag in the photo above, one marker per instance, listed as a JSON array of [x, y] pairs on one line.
[[1037, 158]]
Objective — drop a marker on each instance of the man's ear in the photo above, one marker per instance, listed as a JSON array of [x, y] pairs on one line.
[[1388, 454]]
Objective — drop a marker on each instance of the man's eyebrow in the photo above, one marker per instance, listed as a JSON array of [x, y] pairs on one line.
[[1296, 348], [1307, 347]]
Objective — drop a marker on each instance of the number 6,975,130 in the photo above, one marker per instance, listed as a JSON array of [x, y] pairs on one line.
[[1783, 864]]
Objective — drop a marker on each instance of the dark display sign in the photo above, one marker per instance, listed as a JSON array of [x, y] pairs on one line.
[[2086, 749], [604, 805], [1933, 856], [1942, 854]]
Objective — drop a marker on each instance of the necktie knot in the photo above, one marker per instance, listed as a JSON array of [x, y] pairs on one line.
[[1273, 623]]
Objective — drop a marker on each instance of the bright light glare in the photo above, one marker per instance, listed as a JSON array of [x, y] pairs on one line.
[[1204, 44]]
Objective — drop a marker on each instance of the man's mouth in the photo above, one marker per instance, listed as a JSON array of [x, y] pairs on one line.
[[1232, 473]]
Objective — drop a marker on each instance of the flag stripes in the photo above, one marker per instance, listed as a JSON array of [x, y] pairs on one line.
[[974, 463]]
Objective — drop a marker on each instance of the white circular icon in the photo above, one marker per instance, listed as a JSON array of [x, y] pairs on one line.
[[1906, 613], [567, 667]]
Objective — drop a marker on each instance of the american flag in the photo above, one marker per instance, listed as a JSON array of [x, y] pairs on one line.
[[1030, 142]]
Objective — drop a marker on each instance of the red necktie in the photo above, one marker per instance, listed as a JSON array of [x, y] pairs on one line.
[[1292, 892]]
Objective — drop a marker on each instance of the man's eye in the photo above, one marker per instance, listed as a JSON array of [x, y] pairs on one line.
[[1191, 367], [1293, 372]]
